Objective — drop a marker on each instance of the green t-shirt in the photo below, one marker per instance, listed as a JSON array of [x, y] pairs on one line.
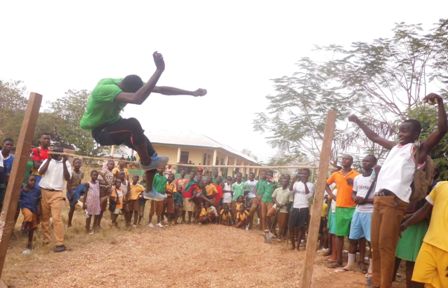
[[101, 105], [260, 187], [159, 183], [29, 167], [238, 190], [268, 189]]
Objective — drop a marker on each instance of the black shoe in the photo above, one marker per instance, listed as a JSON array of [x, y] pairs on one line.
[[59, 248]]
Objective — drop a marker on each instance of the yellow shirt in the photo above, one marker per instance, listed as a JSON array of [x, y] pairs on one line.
[[225, 215], [203, 212], [136, 190], [238, 206], [211, 190], [242, 216], [117, 170], [438, 227], [170, 188], [117, 196], [324, 210]]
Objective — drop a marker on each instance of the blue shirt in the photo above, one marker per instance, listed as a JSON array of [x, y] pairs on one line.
[[30, 199], [7, 164]]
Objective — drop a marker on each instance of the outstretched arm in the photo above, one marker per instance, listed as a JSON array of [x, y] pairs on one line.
[[442, 127], [166, 90], [140, 96], [370, 134]]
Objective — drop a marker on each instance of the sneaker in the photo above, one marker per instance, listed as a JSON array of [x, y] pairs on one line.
[[159, 225], [156, 162], [150, 225], [26, 251], [59, 248], [154, 195]]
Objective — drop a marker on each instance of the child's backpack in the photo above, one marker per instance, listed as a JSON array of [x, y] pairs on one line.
[[423, 178]]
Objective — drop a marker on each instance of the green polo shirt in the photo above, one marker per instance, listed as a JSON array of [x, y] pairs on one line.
[[238, 190], [269, 188], [159, 183], [101, 106], [260, 187]]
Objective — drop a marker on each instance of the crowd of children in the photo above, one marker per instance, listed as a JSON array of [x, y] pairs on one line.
[[195, 198]]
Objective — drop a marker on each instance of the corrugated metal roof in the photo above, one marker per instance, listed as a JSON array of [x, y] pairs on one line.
[[188, 138]]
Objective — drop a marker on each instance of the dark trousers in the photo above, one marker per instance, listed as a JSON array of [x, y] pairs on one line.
[[128, 132]]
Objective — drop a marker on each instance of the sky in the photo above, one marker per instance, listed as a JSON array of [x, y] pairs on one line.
[[231, 48]]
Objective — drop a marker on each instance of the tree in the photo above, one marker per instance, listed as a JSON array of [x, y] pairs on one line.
[[249, 153], [379, 80], [12, 106], [11, 96], [61, 121], [427, 116], [70, 109]]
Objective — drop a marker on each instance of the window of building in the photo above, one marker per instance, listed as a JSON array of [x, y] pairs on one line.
[[184, 157]]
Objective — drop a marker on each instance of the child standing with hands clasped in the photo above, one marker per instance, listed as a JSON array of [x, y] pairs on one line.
[[135, 194], [116, 202], [283, 197], [92, 203]]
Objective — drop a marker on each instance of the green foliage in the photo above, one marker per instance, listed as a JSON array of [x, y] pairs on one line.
[[427, 115], [11, 96], [70, 109], [62, 121], [12, 105], [380, 81]]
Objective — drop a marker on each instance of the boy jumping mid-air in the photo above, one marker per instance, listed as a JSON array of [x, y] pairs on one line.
[[102, 116]]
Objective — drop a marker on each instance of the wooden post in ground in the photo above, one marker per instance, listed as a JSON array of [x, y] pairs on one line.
[[18, 170], [316, 210]]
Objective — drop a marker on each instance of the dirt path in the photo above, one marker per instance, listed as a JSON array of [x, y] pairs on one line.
[[180, 256]]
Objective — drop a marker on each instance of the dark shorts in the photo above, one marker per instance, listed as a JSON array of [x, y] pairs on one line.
[[127, 132], [298, 218], [134, 205], [323, 225]]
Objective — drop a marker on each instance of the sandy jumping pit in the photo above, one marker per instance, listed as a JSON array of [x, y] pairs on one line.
[[179, 256]]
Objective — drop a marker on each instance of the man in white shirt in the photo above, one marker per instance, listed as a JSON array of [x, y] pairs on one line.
[[55, 171], [302, 191]]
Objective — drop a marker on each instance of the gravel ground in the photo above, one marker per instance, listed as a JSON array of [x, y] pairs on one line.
[[177, 256]]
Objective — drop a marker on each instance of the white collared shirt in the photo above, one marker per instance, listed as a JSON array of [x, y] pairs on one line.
[[53, 179]]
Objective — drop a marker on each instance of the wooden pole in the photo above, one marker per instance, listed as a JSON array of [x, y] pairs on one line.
[[22, 155], [316, 210]]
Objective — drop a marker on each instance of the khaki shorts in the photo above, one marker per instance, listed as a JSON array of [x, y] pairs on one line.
[[29, 216]]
